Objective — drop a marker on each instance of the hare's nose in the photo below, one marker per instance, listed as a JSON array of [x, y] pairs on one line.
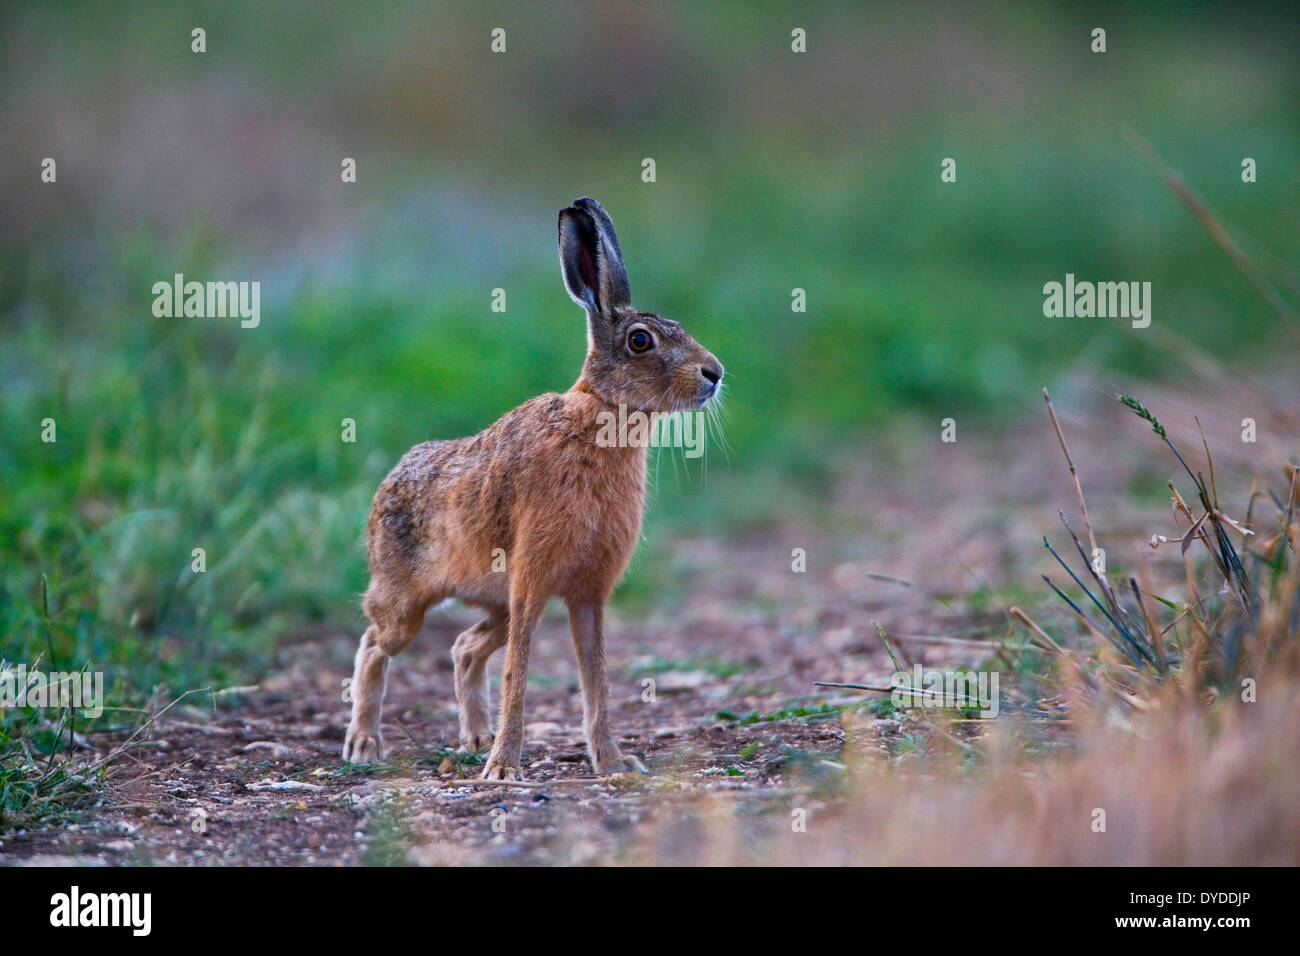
[[714, 375]]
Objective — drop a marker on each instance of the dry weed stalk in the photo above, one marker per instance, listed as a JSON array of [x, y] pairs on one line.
[[1200, 643]]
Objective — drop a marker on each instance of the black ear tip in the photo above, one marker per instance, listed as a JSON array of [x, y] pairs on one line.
[[587, 205], [580, 219]]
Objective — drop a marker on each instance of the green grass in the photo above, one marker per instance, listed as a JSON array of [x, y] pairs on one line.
[[707, 664], [814, 713]]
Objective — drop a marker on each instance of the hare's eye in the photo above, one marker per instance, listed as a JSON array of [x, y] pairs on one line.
[[639, 340]]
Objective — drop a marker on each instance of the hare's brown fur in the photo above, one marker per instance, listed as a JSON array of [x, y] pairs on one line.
[[531, 508]]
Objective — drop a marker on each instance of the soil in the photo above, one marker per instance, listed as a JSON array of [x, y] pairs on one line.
[[258, 779]]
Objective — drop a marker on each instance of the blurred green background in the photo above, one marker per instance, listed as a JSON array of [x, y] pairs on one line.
[[775, 171]]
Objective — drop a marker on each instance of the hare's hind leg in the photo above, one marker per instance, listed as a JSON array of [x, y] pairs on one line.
[[390, 633], [363, 742], [470, 655]]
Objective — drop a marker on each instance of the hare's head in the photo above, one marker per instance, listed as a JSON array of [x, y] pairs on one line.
[[634, 358]]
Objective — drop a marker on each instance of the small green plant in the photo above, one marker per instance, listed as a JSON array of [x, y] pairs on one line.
[[390, 833], [709, 665], [882, 708], [818, 712]]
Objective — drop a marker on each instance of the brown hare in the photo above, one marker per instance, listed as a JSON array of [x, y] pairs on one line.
[[532, 508]]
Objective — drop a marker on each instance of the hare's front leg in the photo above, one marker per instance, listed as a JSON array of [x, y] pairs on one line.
[[470, 655], [504, 761], [586, 621]]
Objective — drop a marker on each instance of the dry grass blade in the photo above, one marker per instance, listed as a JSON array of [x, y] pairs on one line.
[[1074, 472], [892, 656], [1201, 213]]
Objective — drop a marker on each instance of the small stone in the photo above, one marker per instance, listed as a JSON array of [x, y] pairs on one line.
[[543, 728]]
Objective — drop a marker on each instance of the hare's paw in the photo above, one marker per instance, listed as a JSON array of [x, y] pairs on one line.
[[499, 768], [360, 746], [619, 763], [472, 742]]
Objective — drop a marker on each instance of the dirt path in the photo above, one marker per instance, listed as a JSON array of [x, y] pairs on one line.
[[260, 781], [734, 712]]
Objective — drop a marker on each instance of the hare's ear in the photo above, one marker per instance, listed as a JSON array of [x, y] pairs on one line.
[[591, 260]]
